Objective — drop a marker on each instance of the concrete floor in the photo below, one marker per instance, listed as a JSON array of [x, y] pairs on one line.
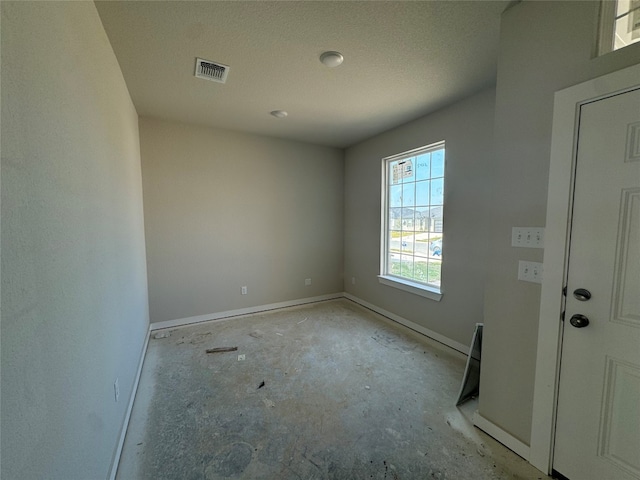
[[347, 395]]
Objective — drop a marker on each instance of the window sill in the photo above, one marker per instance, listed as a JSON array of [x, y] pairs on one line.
[[411, 287]]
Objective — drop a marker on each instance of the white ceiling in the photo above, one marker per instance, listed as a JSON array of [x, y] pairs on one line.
[[402, 60]]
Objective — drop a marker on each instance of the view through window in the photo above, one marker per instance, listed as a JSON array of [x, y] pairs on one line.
[[620, 24], [413, 216]]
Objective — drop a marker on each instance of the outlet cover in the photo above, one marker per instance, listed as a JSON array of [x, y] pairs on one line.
[[307, 281], [244, 290]]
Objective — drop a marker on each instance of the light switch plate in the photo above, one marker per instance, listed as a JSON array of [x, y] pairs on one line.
[[527, 237], [530, 271]]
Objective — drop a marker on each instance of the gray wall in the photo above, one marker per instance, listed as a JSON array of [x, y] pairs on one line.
[[225, 209], [467, 129], [544, 47], [74, 292]]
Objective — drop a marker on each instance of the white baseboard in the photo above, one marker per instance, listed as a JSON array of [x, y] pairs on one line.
[[180, 322], [125, 424], [409, 324], [508, 440]]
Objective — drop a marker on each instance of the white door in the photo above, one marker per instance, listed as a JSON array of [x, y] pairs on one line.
[[598, 416]]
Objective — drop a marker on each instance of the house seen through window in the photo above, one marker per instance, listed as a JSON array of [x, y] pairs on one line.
[[413, 201]]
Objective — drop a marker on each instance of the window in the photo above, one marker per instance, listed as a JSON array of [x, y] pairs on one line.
[[412, 234], [619, 24]]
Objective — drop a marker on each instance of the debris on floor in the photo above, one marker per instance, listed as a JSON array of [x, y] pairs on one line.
[[221, 349], [199, 414], [199, 338], [162, 334], [302, 321], [278, 333]]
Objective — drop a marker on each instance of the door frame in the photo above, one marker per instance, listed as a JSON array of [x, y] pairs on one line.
[[566, 116]]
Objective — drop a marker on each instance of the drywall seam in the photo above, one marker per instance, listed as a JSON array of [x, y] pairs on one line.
[[508, 440], [181, 322], [127, 417], [409, 324]]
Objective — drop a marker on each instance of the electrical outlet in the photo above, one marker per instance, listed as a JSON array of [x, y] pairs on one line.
[[528, 237], [244, 290], [307, 281], [116, 389], [530, 271]]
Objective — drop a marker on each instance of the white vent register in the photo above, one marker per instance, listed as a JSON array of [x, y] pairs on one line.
[[211, 70]]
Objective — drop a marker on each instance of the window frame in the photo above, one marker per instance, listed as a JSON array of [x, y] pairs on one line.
[[430, 291], [607, 27]]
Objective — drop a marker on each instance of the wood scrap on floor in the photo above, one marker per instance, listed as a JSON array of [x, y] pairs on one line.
[[221, 349]]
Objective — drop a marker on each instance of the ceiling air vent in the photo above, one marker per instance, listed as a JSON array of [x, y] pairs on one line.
[[211, 70]]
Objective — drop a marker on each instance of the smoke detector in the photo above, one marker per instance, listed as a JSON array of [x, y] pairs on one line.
[[331, 59], [213, 71]]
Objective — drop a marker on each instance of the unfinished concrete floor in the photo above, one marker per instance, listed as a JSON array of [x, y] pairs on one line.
[[324, 391]]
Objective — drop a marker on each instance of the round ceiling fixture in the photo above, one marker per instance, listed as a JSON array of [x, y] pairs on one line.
[[279, 113], [331, 59]]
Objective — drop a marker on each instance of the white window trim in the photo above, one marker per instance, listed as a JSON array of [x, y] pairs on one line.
[[411, 287], [423, 290], [606, 27]]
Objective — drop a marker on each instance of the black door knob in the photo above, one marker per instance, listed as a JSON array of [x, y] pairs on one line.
[[579, 321], [581, 294]]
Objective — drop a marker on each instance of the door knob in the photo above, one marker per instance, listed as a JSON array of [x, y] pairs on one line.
[[579, 321], [581, 294]]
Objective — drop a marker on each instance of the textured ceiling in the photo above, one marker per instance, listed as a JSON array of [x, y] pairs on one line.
[[402, 60]]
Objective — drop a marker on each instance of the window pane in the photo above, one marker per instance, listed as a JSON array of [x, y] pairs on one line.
[[436, 220], [407, 242], [437, 164], [392, 174], [393, 263], [407, 219], [423, 166], [422, 193], [395, 240], [395, 221], [408, 194], [408, 166], [420, 269], [407, 266], [422, 219], [434, 272], [395, 196], [421, 245], [437, 189], [435, 246]]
